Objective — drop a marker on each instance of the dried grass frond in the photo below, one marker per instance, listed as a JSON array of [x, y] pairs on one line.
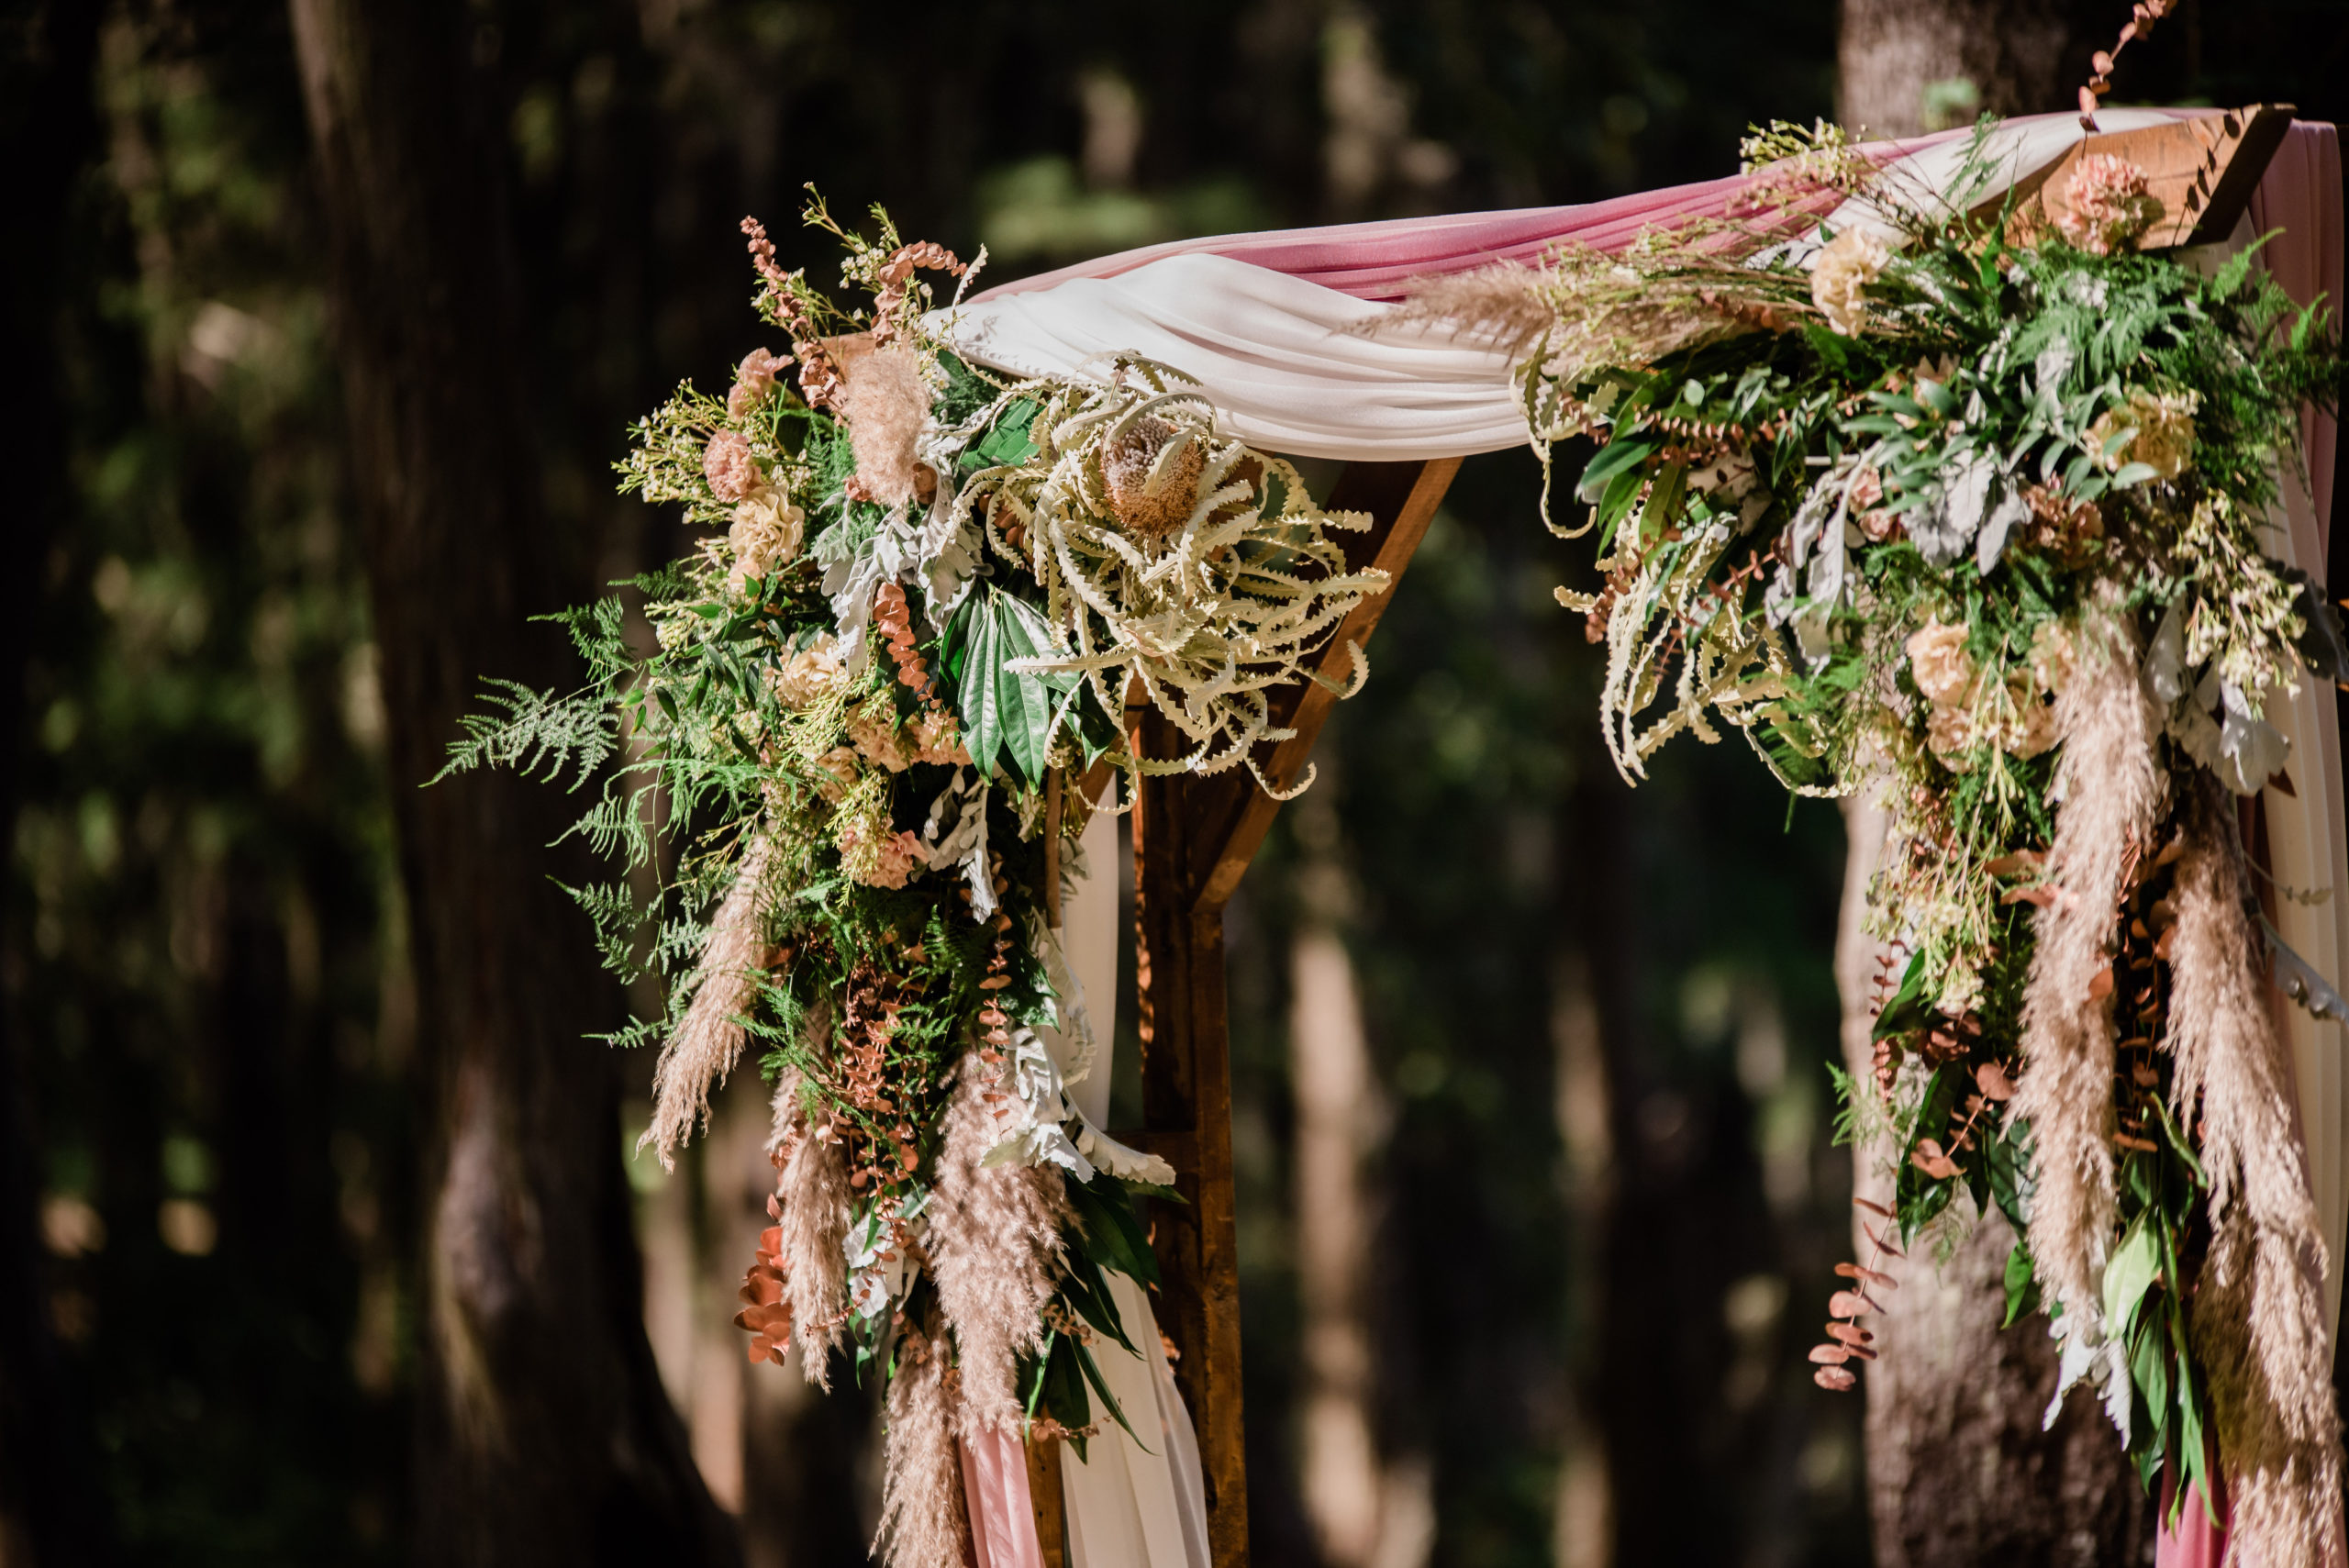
[[994, 1247], [925, 1520], [813, 1207], [709, 1038], [1582, 310], [2112, 790], [2258, 1311]]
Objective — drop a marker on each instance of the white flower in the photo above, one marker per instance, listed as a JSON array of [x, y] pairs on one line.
[[1850, 262]]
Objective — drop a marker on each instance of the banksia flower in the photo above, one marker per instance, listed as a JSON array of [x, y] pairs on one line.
[[1126, 466]]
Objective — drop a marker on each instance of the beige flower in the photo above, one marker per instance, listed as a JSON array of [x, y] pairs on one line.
[[875, 738], [838, 766], [2035, 732], [936, 740], [753, 382], [1938, 660], [2165, 426], [886, 404], [808, 675], [1848, 263], [732, 467], [2051, 657], [1961, 990], [766, 533], [1949, 734], [874, 855]]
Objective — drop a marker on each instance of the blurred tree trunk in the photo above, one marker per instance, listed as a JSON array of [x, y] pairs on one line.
[[2018, 57], [1959, 1472], [544, 1435], [49, 1512]]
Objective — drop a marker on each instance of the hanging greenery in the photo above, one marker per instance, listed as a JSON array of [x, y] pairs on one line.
[[1973, 503], [852, 754]]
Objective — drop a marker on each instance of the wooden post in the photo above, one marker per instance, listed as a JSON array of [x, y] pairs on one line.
[[1193, 838]]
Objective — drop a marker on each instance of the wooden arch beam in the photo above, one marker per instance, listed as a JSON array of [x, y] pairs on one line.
[[1193, 838]]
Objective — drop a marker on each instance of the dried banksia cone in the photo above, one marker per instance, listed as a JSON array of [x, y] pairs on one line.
[[1126, 466]]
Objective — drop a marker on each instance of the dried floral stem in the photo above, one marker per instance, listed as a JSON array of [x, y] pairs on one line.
[[2141, 17]]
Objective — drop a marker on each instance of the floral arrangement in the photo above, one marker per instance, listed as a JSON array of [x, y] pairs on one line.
[[1970, 507], [879, 700]]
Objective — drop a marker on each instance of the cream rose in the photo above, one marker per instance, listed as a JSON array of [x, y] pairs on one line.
[[1849, 262], [765, 534]]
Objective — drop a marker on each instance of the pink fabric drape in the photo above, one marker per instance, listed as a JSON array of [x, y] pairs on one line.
[[995, 1492], [2301, 195], [1377, 260]]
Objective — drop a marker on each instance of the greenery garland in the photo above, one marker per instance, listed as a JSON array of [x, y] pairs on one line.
[[854, 756], [1877, 503], [1869, 502]]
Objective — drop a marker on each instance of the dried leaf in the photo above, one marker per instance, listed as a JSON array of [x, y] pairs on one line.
[[1994, 1082], [1829, 1355], [1835, 1379], [1851, 1304]]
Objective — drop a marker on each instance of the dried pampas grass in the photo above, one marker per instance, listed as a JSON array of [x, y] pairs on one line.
[[925, 1520], [1505, 307], [2257, 1310], [813, 1206], [2112, 791], [708, 1039], [994, 1243]]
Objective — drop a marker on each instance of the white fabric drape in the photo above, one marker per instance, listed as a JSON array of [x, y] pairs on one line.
[[1281, 359], [1296, 368], [1130, 1504]]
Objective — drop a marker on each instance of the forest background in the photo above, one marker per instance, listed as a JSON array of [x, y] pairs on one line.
[[319, 1243]]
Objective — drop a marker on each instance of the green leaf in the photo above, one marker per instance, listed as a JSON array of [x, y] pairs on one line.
[[2135, 1266], [1007, 713], [1108, 1400], [1112, 1231], [1084, 1291], [1613, 460], [1063, 1388], [1007, 442], [2022, 1284], [1907, 1009]]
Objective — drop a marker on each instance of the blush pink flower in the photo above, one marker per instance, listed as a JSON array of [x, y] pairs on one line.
[[731, 467], [2107, 203], [753, 382]]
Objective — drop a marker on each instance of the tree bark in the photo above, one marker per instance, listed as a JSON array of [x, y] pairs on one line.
[[1959, 1471], [542, 1433], [2021, 57], [49, 1509]]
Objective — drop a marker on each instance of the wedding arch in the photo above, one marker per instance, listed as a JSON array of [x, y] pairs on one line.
[[1118, 438]]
